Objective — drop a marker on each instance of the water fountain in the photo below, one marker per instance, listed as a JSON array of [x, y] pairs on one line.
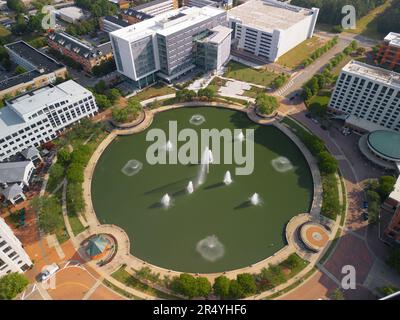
[[166, 201], [197, 119], [190, 187], [227, 178], [169, 146], [206, 159], [282, 164], [132, 167], [255, 199], [240, 137], [210, 248]]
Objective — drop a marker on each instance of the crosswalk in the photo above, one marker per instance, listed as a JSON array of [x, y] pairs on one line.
[[281, 91]]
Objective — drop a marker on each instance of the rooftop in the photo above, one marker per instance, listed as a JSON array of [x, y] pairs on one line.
[[73, 12], [13, 171], [168, 22], [393, 38], [12, 191], [18, 79], [117, 21], [34, 56], [137, 14], [374, 73], [150, 4], [37, 99], [269, 14], [386, 143], [86, 50], [219, 33], [395, 194]]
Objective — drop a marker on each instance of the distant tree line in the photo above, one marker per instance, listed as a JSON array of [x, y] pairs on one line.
[[331, 10], [98, 8]]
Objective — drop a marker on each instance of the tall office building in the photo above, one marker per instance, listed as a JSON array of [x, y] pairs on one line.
[[369, 97], [270, 28], [172, 44], [13, 257]]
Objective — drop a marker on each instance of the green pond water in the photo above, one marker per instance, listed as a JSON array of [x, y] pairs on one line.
[[170, 237]]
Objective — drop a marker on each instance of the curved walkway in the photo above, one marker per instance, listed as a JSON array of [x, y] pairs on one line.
[[123, 255]]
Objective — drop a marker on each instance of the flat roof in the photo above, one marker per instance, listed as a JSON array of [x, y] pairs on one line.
[[72, 12], [13, 171], [219, 34], [167, 23], [116, 21], [10, 121], [39, 98], [34, 56], [393, 38], [150, 4], [386, 143], [268, 14], [374, 73], [18, 79]]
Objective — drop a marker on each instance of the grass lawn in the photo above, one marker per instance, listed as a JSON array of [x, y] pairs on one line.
[[244, 73], [4, 32], [253, 92], [124, 277], [154, 91], [76, 224], [217, 83], [321, 98], [298, 54], [366, 26]]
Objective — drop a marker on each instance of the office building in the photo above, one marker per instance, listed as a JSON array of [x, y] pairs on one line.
[[388, 55], [270, 28], [368, 96], [38, 116], [167, 45]]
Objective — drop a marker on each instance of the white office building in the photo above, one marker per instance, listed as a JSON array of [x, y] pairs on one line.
[[171, 44], [38, 116], [368, 96], [269, 28], [13, 257], [156, 7]]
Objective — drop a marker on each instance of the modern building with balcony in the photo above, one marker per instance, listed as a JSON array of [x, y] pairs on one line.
[[172, 44]]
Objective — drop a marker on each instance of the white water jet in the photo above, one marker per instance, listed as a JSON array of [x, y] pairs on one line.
[[210, 248], [166, 201], [190, 187], [197, 119], [206, 159], [228, 178], [132, 167], [282, 164], [240, 137], [255, 199], [169, 146]]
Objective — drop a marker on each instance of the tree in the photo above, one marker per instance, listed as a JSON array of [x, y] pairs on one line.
[[235, 290], [100, 87], [273, 275], [185, 284], [208, 92], [221, 286], [327, 163], [49, 210], [11, 285], [247, 283], [185, 95], [314, 144], [56, 171], [16, 5], [20, 70], [75, 201], [113, 94], [337, 294], [75, 173], [102, 101], [63, 156], [386, 186], [266, 104], [203, 287]]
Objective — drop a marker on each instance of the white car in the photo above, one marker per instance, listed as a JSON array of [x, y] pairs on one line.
[[48, 272]]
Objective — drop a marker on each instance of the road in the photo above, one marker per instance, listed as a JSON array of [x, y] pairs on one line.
[[301, 77]]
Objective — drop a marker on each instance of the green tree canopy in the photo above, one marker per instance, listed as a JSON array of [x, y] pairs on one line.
[[266, 104], [11, 285]]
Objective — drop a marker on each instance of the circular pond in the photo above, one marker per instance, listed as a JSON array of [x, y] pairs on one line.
[[227, 222]]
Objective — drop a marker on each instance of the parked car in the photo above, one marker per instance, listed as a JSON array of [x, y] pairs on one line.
[[48, 272], [314, 120], [365, 205], [365, 216], [308, 115]]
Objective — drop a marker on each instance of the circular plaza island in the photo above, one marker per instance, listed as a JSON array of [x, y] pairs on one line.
[[202, 217]]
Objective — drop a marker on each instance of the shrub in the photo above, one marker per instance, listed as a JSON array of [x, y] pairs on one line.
[[266, 104]]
